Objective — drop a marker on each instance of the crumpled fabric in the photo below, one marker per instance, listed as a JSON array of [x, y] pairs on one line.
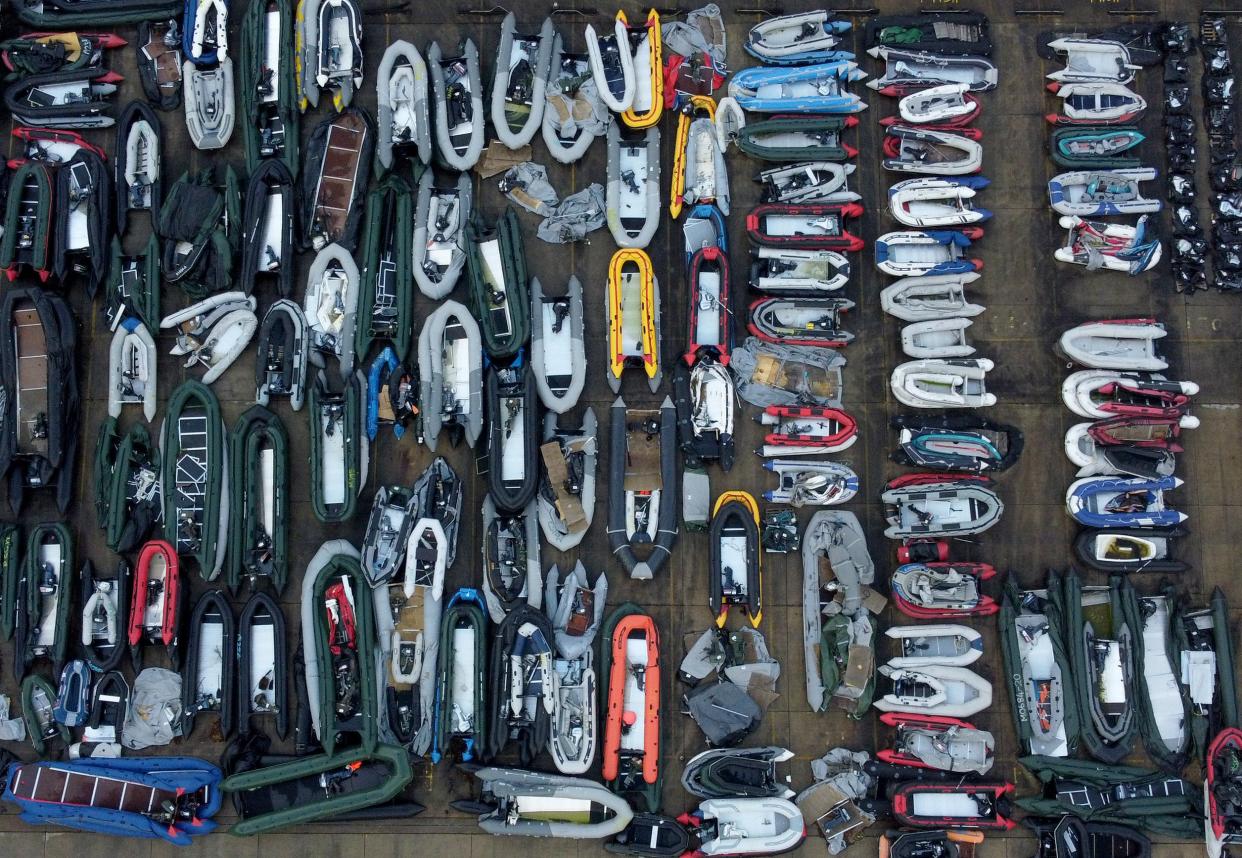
[[776, 374], [11, 729], [577, 215], [527, 185], [581, 108], [703, 31], [725, 713], [154, 714], [842, 769]]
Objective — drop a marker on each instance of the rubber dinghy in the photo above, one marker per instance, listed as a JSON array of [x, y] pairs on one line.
[[1102, 394], [43, 596], [29, 221], [132, 284], [450, 374], [932, 151], [935, 689], [137, 163], [1095, 103], [335, 175], [1122, 502], [1091, 60], [927, 252], [293, 793], [404, 118], [1111, 246], [1123, 344], [328, 39], [38, 700], [633, 318], [709, 323], [104, 614], [173, 798], [195, 477], [522, 683], [207, 679], [158, 597], [214, 332], [576, 610], [283, 354], [907, 71], [268, 84], [512, 574], [937, 742], [796, 430], [951, 843], [263, 664], [268, 244], [499, 297], [802, 483], [533, 804], [938, 338], [385, 300], [820, 226], [557, 349], [951, 383], [566, 497], [633, 195], [797, 39], [1164, 711], [798, 139], [460, 715], [808, 182], [956, 442], [127, 495], [705, 410], [943, 643], [737, 773], [1220, 820], [574, 114], [931, 296], [1091, 193], [939, 805], [937, 202], [458, 93], [339, 454], [523, 63], [745, 826], [735, 564], [388, 530], [440, 217], [1056, 834], [631, 666], [940, 589], [210, 105], [1127, 549], [699, 172], [513, 436], [646, 46], [790, 271], [821, 88], [1106, 147], [951, 32], [642, 498], [932, 506], [800, 321], [132, 369], [1037, 663], [612, 64], [948, 105], [338, 634]]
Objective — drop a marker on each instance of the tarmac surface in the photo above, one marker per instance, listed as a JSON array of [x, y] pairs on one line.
[[1030, 299]]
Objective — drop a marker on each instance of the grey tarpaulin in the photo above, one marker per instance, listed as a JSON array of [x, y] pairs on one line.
[[11, 729], [703, 31], [154, 715], [724, 712], [582, 108], [773, 374], [830, 802], [527, 185], [579, 214]]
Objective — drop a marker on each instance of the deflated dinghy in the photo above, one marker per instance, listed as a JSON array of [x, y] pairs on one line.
[[1111, 246], [460, 717], [158, 54], [386, 301], [158, 594], [646, 46], [328, 41], [746, 826], [794, 271], [797, 39], [642, 498], [949, 105], [271, 126], [803, 483], [633, 318], [127, 485], [522, 682], [1122, 502], [938, 590], [330, 306], [513, 435], [612, 65], [938, 742], [1096, 103], [951, 383], [137, 163], [523, 63], [821, 88], [84, 207], [798, 138], [458, 94], [1037, 664], [1066, 836], [1091, 60], [937, 202], [930, 296], [943, 506], [388, 531], [532, 804], [496, 263], [935, 689], [906, 71], [938, 338], [572, 741], [735, 564], [699, 172], [268, 228], [917, 253], [335, 175], [794, 430], [1123, 549], [808, 182], [132, 369], [576, 609], [946, 643], [631, 667], [259, 458], [566, 496], [932, 151], [207, 681], [800, 321], [450, 373], [511, 571], [956, 31], [737, 772], [214, 332], [1164, 710], [574, 114], [282, 355], [705, 409], [956, 442], [440, 218], [195, 477], [1124, 344], [404, 118], [1087, 193], [339, 453], [633, 187], [557, 351]]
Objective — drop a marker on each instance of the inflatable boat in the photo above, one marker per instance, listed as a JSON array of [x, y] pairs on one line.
[[1097, 148], [388, 531], [1123, 344], [938, 742], [931, 151], [1100, 455], [633, 194], [956, 442], [335, 175], [937, 338], [518, 89], [404, 115], [908, 71], [132, 369], [268, 243], [1111, 246], [460, 715], [646, 46], [283, 355], [699, 172], [566, 497], [1096, 103], [927, 253], [522, 683], [440, 217], [964, 805], [937, 202], [947, 643], [930, 296], [38, 701], [803, 483], [1090, 60], [1044, 708], [945, 506], [734, 561], [1088, 193], [340, 455], [1068, 835], [705, 397], [512, 574], [1122, 502], [127, 495], [941, 590], [574, 114], [450, 373], [632, 674], [949, 32], [132, 284], [259, 482], [1123, 549], [104, 614], [642, 499], [557, 349], [576, 611], [786, 139], [745, 826], [513, 436], [1164, 708], [137, 164], [950, 843], [214, 332], [797, 39], [633, 318], [328, 39], [69, 97], [808, 182], [795, 271], [935, 689], [29, 221], [385, 303], [612, 64], [268, 84], [820, 88], [737, 773], [950, 383], [262, 664], [195, 477], [575, 608], [816, 226], [207, 679], [1101, 394], [1221, 817], [795, 430], [158, 597], [496, 266], [709, 322], [210, 104], [42, 598], [800, 321], [158, 51], [533, 804], [946, 105]]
